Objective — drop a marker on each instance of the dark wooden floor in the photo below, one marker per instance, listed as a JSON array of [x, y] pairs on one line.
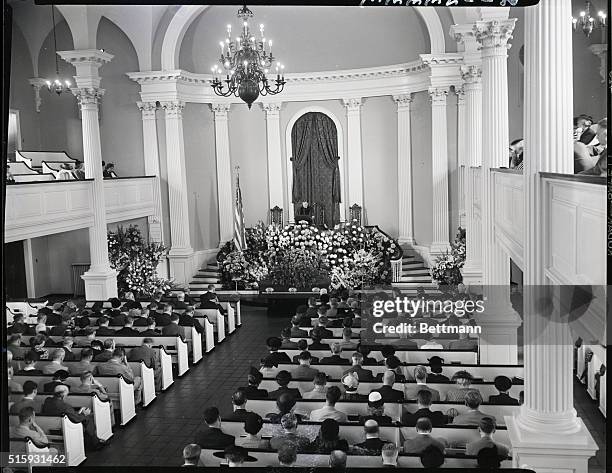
[[159, 432]]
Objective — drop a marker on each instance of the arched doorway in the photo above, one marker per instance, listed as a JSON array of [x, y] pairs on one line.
[[316, 177]]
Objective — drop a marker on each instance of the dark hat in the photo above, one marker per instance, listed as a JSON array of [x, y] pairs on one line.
[[283, 377], [435, 360], [316, 333], [393, 362], [274, 342], [114, 302], [502, 383], [61, 375], [239, 454], [387, 351]]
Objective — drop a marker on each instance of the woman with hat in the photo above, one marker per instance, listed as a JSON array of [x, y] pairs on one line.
[[235, 456], [435, 365], [503, 385], [350, 381], [284, 405], [463, 380], [328, 438], [253, 424], [376, 410]]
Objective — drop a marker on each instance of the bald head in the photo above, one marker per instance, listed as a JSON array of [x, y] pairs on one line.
[[61, 391], [337, 459]]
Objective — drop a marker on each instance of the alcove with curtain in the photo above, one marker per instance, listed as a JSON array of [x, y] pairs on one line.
[[316, 173]]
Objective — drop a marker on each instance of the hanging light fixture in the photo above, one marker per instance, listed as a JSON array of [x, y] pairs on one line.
[[57, 85], [588, 23], [245, 63]]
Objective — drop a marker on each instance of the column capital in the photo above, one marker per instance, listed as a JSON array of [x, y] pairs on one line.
[[271, 108], [87, 95], [148, 110], [173, 108], [460, 91], [220, 109], [494, 34], [403, 101], [352, 104], [87, 62], [438, 95], [37, 83], [471, 74]]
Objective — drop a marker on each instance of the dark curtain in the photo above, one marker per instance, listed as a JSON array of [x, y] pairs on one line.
[[316, 174]]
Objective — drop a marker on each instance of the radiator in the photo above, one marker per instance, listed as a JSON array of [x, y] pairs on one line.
[[78, 285]]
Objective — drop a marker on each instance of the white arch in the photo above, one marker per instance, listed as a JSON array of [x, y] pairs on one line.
[[186, 14], [289, 169]]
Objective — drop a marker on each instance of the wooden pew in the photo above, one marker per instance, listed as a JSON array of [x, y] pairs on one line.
[[215, 318], [102, 413], [266, 458], [119, 390], [139, 369], [194, 342], [485, 372], [456, 435], [71, 436], [405, 356], [486, 389]]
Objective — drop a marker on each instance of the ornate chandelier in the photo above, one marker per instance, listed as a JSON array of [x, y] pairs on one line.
[[245, 63], [57, 85], [588, 23]]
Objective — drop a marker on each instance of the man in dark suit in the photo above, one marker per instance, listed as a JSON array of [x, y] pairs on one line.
[[128, 329], [283, 378], [316, 336], [107, 353], [412, 389], [335, 358], [18, 325], [211, 435], [162, 319], [252, 391], [58, 379], [362, 374], [311, 310], [141, 320], [304, 371], [60, 330], [387, 392], [373, 444], [303, 346], [303, 212], [130, 302], [239, 402], [172, 329], [424, 400], [180, 303], [296, 331], [274, 343], [365, 350], [150, 331], [145, 353], [187, 319], [210, 300], [503, 385], [103, 329], [286, 342]]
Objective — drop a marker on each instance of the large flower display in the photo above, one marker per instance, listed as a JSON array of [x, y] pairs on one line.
[[303, 255], [447, 268], [136, 262]]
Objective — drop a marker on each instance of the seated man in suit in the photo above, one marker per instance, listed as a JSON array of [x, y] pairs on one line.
[[304, 371], [387, 392], [128, 329], [27, 428], [252, 390], [473, 400], [30, 390], [435, 365], [365, 350], [303, 212], [172, 329], [311, 310], [150, 331], [486, 427], [118, 365], [303, 345], [320, 387], [362, 374], [424, 399], [274, 343], [78, 368], [322, 324], [286, 342], [373, 444], [316, 336], [130, 302], [57, 359], [150, 357], [187, 319], [29, 367], [211, 435], [503, 385], [335, 358], [58, 379], [420, 376], [210, 300], [180, 301], [283, 378], [376, 410], [163, 318], [141, 316], [329, 411], [296, 331], [239, 402], [18, 325], [103, 329], [90, 385], [424, 438]]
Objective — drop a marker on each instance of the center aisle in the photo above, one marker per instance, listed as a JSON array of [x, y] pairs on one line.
[[159, 433]]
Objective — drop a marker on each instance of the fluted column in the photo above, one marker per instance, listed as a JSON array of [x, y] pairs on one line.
[[439, 169], [151, 165], [275, 165], [224, 172], [354, 158], [546, 435], [100, 279], [461, 156], [404, 169], [181, 252]]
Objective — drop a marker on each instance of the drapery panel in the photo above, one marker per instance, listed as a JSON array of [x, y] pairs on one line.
[[316, 173]]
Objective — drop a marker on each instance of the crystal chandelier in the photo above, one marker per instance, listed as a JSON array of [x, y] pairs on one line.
[[57, 85], [587, 23], [245, 63]]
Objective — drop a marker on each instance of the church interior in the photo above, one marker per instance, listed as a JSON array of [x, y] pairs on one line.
[[197, 194]]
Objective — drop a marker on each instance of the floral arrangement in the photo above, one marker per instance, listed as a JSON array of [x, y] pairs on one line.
[[136, 262], [447, 268], [350, 254]]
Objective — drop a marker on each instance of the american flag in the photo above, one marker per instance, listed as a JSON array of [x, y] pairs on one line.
[[239, 232]]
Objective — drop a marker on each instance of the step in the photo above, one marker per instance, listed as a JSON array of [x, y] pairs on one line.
[[214, 266], [199, 291], [411, 263], [204, 281], [207, 274], [415, 272], [414, 285], [203, 285], [416, 279]]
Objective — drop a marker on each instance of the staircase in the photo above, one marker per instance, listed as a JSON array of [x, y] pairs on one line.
[[414, 274], [209, 274]]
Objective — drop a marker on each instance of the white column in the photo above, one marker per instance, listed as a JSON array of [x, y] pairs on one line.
[[546, 435], [101, 279], [151, 162], [461, 156], [354, 159], [404, 169], [181, 253], [439, 171], [499, 322], [275, 165], [224, 172]]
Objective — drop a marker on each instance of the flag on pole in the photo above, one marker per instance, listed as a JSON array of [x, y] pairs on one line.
[[239, 231]]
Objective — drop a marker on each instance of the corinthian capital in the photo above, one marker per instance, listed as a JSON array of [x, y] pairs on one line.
[[403, 101], [494, 34], [173, 108], [471, 74], [438, 95], [271, 108], [220, 109], [87, 95], [352, 104], [147, 109]]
